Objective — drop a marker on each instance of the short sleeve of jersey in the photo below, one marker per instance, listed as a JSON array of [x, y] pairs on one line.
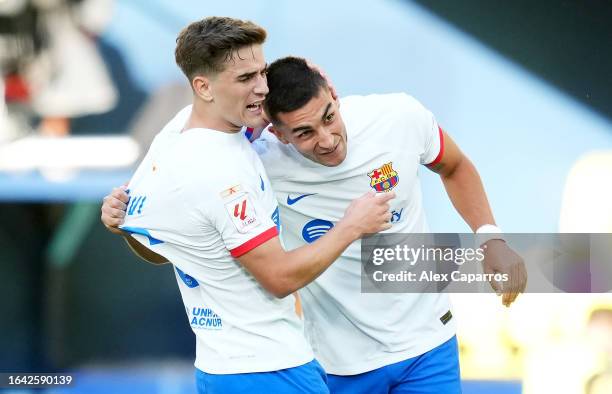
[[243, 222], [240, 213], [428, 131]]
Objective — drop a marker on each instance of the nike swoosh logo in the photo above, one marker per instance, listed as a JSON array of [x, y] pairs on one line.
[[291, 201]]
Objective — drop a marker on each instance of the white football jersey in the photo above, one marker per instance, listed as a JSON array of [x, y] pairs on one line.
[[201, 198], [389, 137]]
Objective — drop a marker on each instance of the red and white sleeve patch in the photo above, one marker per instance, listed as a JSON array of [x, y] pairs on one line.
[[441, 153], [254, 242], [242, 213]]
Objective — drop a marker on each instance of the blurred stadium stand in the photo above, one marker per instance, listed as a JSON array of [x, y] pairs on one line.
[[564, 42]]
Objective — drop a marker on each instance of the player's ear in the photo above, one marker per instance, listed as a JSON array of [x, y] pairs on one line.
[[202, 88], [278, 134]]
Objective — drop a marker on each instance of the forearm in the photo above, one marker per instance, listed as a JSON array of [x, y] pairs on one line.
[[282, 273], [465, 190], [309, 261], [143, 252]]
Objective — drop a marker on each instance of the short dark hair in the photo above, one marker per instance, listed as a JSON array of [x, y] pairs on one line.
[[292, 85], [203, 46]]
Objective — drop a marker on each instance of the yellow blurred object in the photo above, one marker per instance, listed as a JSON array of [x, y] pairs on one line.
[[587, 198], [553, 342]]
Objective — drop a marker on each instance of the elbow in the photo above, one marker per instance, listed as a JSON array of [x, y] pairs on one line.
[[450, 171], [282, 294], [461, 168], [280, 288]]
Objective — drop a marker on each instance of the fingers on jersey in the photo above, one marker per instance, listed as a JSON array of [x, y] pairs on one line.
[[120, 194], [369, 213], [113, 209], [112, 202], [112, 218]]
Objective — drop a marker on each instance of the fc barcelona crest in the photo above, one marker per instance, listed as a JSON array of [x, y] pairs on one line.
[[384, 179]]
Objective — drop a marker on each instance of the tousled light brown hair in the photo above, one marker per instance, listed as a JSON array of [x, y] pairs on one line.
[[204, 46]]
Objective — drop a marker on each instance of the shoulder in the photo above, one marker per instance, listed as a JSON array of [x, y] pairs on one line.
[[168, 134], [380, 104], [269, 148], [211, 155], [177, 123], [279, 159], [265, 144], [400, 98], [174, 125], [202, 172], [387, 111]]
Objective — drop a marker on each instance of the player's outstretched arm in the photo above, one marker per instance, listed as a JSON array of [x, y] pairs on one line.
[[468, 196], [113, 214], [282, 273]]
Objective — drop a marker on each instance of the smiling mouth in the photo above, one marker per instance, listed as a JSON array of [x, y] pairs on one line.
[[254, 107], [331, 151]]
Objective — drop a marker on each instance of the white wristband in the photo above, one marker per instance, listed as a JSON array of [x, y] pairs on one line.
[[488, 232]]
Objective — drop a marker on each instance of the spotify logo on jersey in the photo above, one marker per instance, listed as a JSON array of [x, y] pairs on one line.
[[315, 229]]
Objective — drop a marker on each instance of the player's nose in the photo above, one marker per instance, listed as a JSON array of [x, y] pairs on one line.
[[261, 87], [326, 140]]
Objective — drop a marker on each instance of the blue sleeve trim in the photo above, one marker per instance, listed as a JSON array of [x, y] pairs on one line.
[[145, 232]]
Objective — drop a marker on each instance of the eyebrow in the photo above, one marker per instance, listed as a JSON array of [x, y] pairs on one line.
[[302, 128], [326, 111], [250, 74]]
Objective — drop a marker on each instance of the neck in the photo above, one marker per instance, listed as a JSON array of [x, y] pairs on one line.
[[203, 116]]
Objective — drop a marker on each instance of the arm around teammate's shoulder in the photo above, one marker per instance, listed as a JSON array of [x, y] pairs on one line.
[[283, 272]]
